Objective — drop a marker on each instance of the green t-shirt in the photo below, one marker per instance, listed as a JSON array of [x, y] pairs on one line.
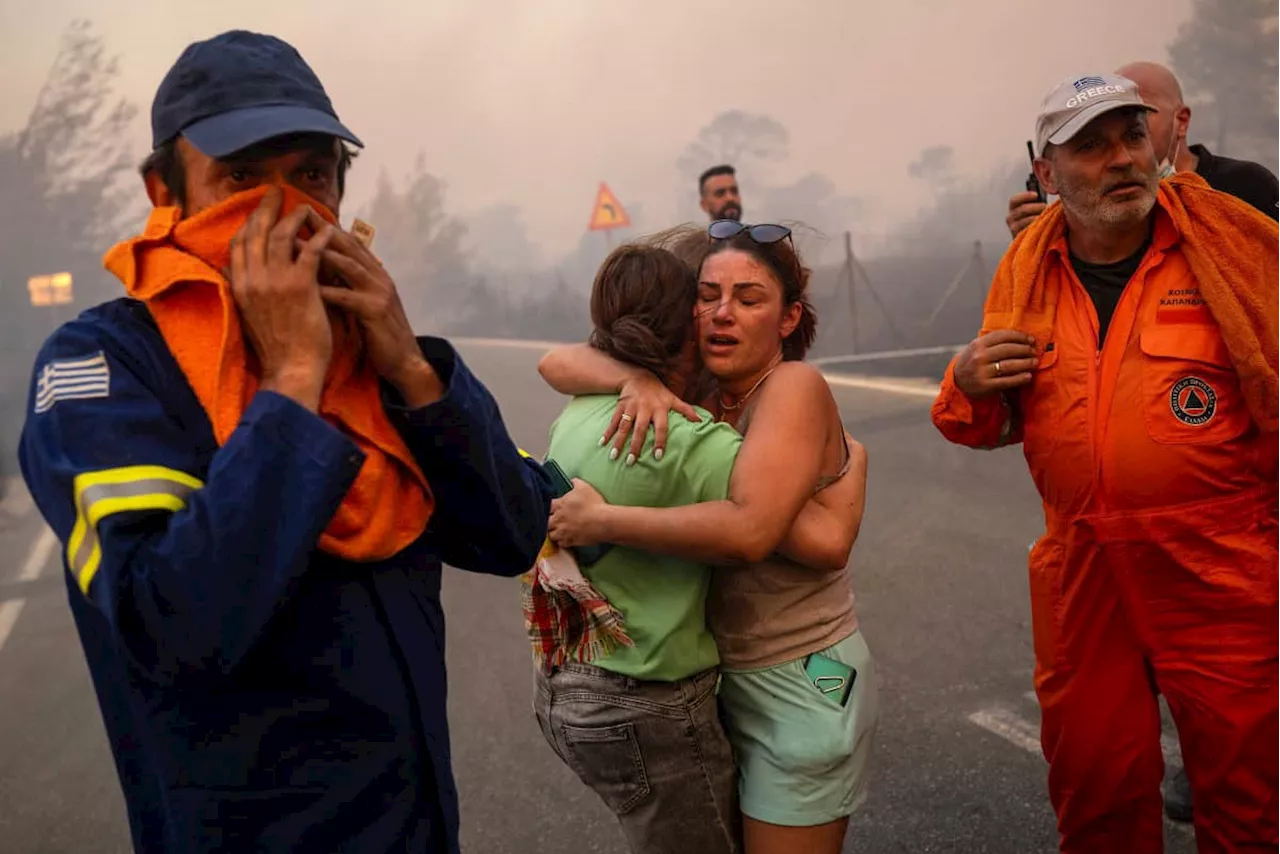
[[662, 598]]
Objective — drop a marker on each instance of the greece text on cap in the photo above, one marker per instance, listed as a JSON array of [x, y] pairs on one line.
[[1093, 92]]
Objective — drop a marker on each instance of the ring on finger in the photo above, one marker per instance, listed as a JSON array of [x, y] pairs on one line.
[[998, 371], [626, 417]]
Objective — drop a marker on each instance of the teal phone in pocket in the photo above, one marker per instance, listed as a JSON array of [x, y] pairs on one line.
[[833, 679]]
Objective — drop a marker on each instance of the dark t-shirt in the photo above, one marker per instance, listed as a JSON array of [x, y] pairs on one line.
[[1249, 182], [1105, 283]]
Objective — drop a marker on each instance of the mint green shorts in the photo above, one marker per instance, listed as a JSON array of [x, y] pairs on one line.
[[802, 759]]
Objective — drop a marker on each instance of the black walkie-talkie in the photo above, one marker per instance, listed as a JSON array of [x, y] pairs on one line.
[[1033, 183]]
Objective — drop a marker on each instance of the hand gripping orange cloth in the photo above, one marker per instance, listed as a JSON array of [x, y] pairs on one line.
[[175, 268], [1224, 244]]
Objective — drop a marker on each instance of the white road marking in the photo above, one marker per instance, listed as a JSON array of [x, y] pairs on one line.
[[882, 355], [17, 501], [517, 343], [9, 612], [1169, 744], [1021, 732], [38, 557], [1009, 726], [844, 380], [873, 384]]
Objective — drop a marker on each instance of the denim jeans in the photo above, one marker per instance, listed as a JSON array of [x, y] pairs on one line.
[[654, 752]]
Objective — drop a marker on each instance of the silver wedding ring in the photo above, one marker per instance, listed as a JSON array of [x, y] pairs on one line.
[[998, 371], [626, 417]]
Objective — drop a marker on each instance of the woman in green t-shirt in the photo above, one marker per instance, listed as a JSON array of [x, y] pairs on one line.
[[798, 690], [640, 725]]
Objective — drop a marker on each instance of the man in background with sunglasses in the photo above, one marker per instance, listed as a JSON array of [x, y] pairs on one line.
[[718, 193]]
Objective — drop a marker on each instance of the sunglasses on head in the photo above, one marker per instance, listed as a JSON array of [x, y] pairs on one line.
[[764, 233]]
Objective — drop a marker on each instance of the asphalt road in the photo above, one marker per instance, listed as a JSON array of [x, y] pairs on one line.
[[940, 571]]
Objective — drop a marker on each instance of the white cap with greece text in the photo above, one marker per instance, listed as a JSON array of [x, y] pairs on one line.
[[1076, 101]]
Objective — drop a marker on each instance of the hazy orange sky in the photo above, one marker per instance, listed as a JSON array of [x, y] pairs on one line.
[[534, 103]]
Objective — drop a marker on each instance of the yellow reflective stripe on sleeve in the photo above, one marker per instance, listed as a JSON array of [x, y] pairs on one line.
[[548, 548], [100, 494]]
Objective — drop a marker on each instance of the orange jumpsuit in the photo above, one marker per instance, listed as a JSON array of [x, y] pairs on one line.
[[1157, 570]]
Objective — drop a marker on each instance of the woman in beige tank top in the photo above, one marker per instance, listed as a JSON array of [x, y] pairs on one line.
[[799, 687]]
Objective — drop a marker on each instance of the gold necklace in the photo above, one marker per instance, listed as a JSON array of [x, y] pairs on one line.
[[731, 407]]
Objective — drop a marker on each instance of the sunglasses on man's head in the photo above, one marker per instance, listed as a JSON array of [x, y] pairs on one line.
[[726, 229]]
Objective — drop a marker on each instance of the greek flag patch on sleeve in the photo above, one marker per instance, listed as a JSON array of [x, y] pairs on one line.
[[72, 379]]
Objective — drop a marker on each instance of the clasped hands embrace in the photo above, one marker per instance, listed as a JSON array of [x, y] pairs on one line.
[[580, 517], [643, 400], [275, 278]]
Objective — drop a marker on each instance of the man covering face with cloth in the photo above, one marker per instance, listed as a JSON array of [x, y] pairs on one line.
[[1129, 343], [256, 471]]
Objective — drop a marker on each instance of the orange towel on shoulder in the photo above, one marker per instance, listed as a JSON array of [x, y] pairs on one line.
[[1232, 251], [175, 268]]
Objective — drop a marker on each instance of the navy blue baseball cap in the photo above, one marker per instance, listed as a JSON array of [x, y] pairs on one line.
[[238, 89]]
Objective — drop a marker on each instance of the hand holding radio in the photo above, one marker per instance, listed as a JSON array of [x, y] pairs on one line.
[[1026, 206], [1033, 183]]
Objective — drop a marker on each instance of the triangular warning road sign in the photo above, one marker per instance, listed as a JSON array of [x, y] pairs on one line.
[[608, 212]]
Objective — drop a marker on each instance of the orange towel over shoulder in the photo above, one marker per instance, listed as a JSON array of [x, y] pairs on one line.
[[175, 268], [1233, 252]]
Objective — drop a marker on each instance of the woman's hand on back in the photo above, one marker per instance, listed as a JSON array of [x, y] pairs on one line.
[[644, 400], [575, 516]]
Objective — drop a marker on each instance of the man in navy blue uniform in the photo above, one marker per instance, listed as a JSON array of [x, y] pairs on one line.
[[262, 689]]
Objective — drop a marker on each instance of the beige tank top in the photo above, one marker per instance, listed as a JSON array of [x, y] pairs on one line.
[[774, 611]]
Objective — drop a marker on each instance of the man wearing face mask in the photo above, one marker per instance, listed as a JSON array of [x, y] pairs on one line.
[[1250, 182], [256, 471]]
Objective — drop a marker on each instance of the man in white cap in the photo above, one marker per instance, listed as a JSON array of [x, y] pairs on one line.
[[1169, 127], [1129, 342], [1248, 181]]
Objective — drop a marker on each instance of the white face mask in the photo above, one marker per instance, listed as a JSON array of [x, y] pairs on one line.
[[1171, 155]]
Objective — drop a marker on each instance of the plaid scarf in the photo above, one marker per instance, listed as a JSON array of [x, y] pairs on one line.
[[566, 617]]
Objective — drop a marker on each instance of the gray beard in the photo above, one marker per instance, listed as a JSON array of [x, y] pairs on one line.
[[1090, 205], [1103, 212]]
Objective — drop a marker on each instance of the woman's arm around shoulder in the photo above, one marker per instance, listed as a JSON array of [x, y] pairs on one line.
[[582, 369], [827, 527], [643, 400], [774, 475]]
